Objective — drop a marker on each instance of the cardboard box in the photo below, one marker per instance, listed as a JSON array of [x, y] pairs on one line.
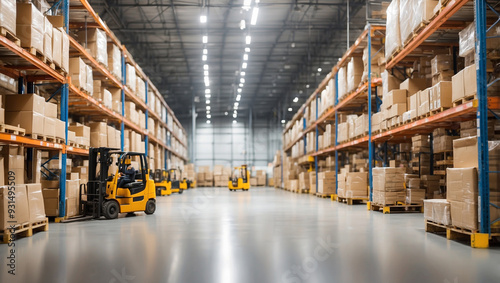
[[78, 72], [72, 208], [396, 110], [396, 96], [96, 43], [464, 214], [461, 184], [438, 211], [98, 139], [8, 15], [356, 184], [470, 83], [458, 86], [32, 122], [25, 102], [29, 26], [35, 203], [21, 214], [413, 85], [84, 131], [56, 46], [440, 95], [51, 201]]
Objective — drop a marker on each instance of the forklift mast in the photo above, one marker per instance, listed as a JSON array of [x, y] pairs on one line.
[[98, 174]]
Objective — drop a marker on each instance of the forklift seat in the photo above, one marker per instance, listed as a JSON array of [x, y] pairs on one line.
[[134, 187]]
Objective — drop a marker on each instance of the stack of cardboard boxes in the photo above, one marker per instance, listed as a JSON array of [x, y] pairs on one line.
[[326, 183], [414, 192], [221, 175], [388, 185], [261, 176], [356, 185], [421, 154]]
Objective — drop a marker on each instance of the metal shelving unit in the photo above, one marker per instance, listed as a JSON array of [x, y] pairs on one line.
[[73, 100]]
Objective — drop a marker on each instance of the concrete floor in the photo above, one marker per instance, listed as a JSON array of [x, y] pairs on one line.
[[264, 235]]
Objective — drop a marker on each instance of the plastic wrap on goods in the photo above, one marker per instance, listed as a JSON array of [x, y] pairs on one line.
[[65, 51], [437, 210], [90, 80], [354, 73], [8, 15], [393, 34], [131, 77], [342, 83], [406, 8], [114, 60], [423, 11], [467, 40], [101, 52]]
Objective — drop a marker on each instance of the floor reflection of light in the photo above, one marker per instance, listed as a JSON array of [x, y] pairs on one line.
[[226, 256]]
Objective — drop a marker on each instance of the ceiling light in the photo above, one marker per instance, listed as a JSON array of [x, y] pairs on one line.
[[207, 82], [244, 65], [208, 121], [242, 80], [208, 107], [234, 122], [205, 73], [307, 86], [207, 96], [246, 4], [292, 45], [248, 39], [240, 85], [247, 49], [245, 57], [203, 19], [205, 39], [238, 97], [255, 14], [319, 69], [208, 101], [295, 99], [236, 104], [207, 90], [243, 24], [208, 112], [205, 67], [235, 115], [205, 51], [290, 109], [282, 121], [239, 90], [243, 74], [235, 107], [209, 116], [204, 57]]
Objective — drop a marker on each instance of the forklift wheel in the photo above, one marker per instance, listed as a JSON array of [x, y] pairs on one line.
[[150, 206], [180, 191], [111, 209]]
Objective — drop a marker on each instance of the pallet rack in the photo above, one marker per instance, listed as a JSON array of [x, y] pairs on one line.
[[478, 108], [31, 69]]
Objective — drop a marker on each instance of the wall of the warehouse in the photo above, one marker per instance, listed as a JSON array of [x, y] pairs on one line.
[[223, 143]]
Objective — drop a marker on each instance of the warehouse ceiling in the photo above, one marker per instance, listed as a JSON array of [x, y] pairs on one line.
[[293, 46]]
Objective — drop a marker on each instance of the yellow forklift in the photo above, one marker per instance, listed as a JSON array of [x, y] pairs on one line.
[[166, 182], [108, 193], [240, 179]]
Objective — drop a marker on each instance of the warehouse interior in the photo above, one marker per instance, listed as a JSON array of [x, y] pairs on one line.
[[250, 140]]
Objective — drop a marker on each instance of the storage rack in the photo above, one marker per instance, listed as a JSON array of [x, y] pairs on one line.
[[478, 108], [28, 67]]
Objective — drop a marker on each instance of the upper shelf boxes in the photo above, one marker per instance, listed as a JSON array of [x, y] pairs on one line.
[[115, 60], [392, 34], [96, 43], [8, 15], [141, 89], [29, 27], [131, 77]]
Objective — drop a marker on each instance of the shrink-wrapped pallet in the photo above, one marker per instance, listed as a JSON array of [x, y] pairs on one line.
[[342, 82], [354, 73], [423, 11], [29, 26], [95, 41], [406, 9], [393, 34], [131, 77], [8, 15], [115, 60]]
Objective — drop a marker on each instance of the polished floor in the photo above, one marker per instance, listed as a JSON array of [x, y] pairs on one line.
[[264, 235]]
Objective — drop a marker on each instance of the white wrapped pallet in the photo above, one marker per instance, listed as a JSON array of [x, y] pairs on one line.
[[393, 33], [8, 15], [115, 60], [406, 8], [423, 11], [354, 73], [131, 77], [342, 82]]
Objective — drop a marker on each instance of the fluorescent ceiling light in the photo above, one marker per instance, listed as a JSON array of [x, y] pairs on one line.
[[235, 107], [240, 85], [236, 104], [282, 121], [239, 90], [248, 39], [307, 86], [225, 113], [245, 57], [205, 39], [242, 80], [207, 82], [208, 107], [243, 25], [203, 19], [208, 112], [244, 65], [208, 121], [205, 51], [208, 101], [247, 49], [207, 90], [243, 74], [204, 57], [234, 121], [235, 115], [205, 73], [209, 116], [319, 69], [207, 96], [246, 4], [238, 97], [290, 109], [295, 99], [205, 67], [255, 15]]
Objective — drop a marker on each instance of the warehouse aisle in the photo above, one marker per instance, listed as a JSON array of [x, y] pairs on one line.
[[265, 235]]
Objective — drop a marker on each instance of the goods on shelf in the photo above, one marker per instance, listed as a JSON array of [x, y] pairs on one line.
[[342, 82], [140, 86], [462, 195], [95, 41], [393, 31], [8, 15], [21, 215], [326, 183], [388, 185], [29, 26], [115, 61], [304, 183], [131, 77], [354, 73], [438, 211], [356, 185], [47, 39]]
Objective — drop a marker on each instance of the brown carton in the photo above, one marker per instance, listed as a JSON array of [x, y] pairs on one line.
[[413, 85], [25, 102], [21, 214], [438, 211], [29, 26], [35, 202], [440, 95], [470, 83], [458, 86], [32, 122], [461, 184]]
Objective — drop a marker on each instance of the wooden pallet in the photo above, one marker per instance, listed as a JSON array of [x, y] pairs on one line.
[[39, 54], [12, 130], [439, 110], [351, 201], [302, 191], [24, 230], [464, 100], [321, 195], [397, 208], [41, 137], [10, 36], [454, 233]]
